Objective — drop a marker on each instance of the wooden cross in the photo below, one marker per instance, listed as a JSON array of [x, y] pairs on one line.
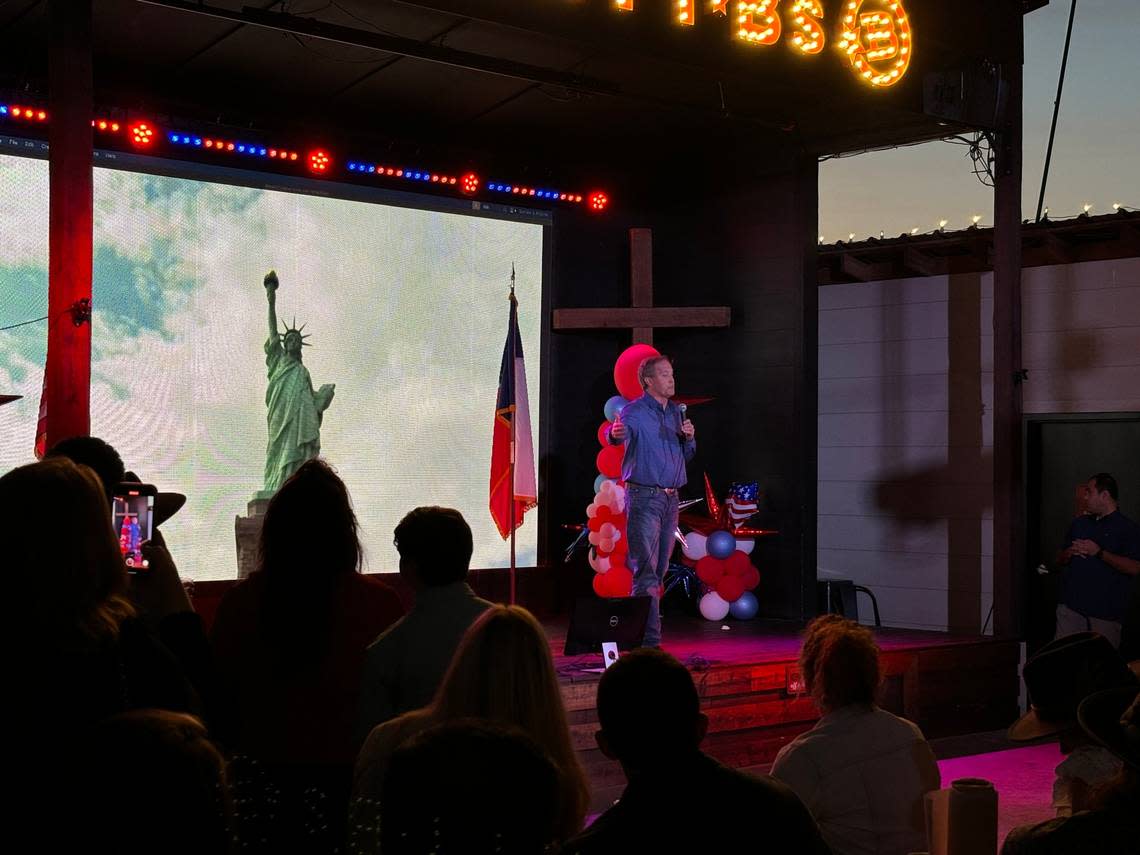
[[642, 315]]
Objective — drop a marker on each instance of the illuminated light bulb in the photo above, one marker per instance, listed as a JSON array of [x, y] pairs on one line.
[[977, 218], [851, 236], [292, 155], [1116, 206], [141, 133], [914, 231], [821, 238], [942, 224], [229, 146], [114, 126], [1088, 207]]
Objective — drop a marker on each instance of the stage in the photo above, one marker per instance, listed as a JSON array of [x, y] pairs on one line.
[[744, 674]]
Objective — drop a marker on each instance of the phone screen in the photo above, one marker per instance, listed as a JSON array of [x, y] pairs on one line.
[[132, 515]]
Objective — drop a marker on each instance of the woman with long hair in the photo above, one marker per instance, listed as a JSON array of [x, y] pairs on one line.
[[502, 672], [289, 645]]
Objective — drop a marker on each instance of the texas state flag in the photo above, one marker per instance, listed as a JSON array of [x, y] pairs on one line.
[[512, 409]]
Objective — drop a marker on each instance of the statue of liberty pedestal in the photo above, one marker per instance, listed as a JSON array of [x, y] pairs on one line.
[[294, 409]]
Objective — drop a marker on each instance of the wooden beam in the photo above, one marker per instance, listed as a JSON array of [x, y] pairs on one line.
[[865, 271], [923, 263], [1057, 249], [619, 318], [67, 374], [1009, 489]]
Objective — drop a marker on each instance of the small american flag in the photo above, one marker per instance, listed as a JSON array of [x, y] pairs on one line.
[[742, 501]]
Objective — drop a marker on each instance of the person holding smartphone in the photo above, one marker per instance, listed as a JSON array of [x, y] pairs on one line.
[[659, 440]]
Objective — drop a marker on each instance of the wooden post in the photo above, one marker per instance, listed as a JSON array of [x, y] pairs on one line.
[[67, 380], [1009, 500]]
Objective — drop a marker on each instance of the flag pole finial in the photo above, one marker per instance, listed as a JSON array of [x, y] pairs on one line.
[[512, 279]]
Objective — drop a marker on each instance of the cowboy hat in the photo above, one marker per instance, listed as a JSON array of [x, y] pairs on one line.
[[1061, 675], [166, 505], [1112, 718]]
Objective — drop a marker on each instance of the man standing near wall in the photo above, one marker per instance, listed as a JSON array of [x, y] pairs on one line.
[[659, 441], [1102, 558]]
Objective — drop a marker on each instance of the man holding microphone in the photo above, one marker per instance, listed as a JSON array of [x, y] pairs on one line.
[[659, 440]]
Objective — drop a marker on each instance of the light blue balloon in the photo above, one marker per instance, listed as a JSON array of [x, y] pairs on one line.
[[613, 406], [745, 606], [721, 544], [599, 481]]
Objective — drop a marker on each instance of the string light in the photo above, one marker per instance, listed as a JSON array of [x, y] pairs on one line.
[[821, 238], [599, 201], [877, 43], [977, 218], [140, 133], [1116, 206], [624, 5], [914, 231], [685, 14], [851, 236], [1087, 207], [942, 224]]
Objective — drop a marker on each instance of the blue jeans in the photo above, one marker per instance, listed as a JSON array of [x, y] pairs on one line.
[[652, 519]]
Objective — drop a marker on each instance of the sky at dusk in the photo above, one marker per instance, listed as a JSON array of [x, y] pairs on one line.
[[1096, 155]]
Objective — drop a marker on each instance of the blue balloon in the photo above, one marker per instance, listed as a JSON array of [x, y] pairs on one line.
[[613, 405], [744, 607], [599, 481], [721, 544]]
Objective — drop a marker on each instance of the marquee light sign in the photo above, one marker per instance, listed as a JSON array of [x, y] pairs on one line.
[[873, 35]]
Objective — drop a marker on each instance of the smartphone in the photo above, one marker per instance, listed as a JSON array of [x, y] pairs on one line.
[[132, 517]]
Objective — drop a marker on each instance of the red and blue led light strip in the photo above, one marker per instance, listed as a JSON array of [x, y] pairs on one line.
[[144, 135]]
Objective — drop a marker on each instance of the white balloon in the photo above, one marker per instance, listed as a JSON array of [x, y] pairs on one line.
[[745, 544], [695, 546], [618, 498], [599, 565], [592, 509], [713, 606]]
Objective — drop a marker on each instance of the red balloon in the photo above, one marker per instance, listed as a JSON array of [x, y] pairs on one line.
[[751, 578], [604, 434], [600, 584], [609, 461], [737, 564], [621, 547], [619, 582], [729, 587], [625, 370], [710, 569], [593, 523]]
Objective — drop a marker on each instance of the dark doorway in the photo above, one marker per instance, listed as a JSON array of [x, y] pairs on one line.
[[1062, 451]]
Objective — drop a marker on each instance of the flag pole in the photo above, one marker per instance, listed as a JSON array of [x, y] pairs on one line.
[[514, 428]]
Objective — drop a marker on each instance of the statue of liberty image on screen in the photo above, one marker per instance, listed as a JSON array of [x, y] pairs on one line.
[[295, 411]]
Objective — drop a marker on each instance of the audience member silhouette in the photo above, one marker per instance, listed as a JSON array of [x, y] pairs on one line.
[[1058, 677], [404, 665], [469, 788], [98, 454], [78, 652], [502, 672], [289, 645], [862, 772], [679, 799], [1112, 824], [147, 781]]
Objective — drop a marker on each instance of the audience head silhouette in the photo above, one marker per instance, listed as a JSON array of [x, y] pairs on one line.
[[503, 671], [72, 582], [309, 535], [160, 770], [840, 663], [435, 546], [649, 711], [469, 786], [99, 455]]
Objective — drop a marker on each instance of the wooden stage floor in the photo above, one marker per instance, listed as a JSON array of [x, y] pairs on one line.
[[948, 684]]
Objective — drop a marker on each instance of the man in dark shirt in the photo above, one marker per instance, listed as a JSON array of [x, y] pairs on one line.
[[404, 666], [1102, 558], [679, 799], [659, 441]]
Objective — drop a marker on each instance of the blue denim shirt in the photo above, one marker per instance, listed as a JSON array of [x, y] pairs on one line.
[[655, 450]]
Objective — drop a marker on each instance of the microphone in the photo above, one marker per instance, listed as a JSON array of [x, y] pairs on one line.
[[683, 408]]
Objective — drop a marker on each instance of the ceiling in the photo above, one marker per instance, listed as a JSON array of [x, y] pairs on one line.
[[575, 83]]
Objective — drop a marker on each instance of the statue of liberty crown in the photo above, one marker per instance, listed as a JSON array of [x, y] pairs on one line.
[[295, 329]]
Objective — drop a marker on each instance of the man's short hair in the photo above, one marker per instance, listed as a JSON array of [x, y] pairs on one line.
[[840, 662], [438, 541], [94, 453], [647, 708], [648, 368], [1105, 483]]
